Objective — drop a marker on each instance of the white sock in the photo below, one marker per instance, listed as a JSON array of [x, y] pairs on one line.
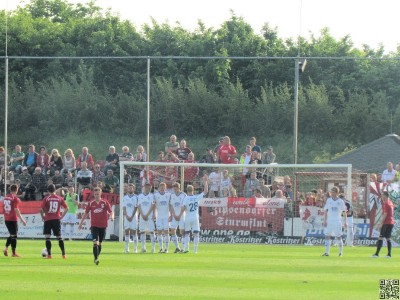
[[153, 240], [160, 241], [71, 231], [135, 241], [127, 242], [340, 244], [327, 246], [187, 241], [196, 241], [143, 240], [166, 241], [174, 239]]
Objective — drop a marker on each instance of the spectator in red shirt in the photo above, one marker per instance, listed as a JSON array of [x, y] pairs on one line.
[[386, 225], [99, 210], [11, 215], [51, 215], [227, 152]]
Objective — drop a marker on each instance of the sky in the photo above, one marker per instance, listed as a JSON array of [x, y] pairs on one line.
[[368, 22]]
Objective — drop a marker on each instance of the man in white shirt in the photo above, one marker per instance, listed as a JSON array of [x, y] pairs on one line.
[[146, 208], [334, 208], [129, 208], [389, 173], [162, 198], [175, 206], [190, 207]]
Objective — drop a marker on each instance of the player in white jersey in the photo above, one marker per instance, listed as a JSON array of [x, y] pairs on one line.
[[130, 207], [146, 208], [334, 208], [162, 198], [190, 206], [175, 205]]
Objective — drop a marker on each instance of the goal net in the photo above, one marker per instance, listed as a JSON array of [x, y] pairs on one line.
[[254, 203]]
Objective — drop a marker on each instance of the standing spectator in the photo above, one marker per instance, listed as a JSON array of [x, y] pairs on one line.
[[183, 151], [43, 160], [56, 163], [208, 158], [87, 157], [30, 159], [17, 159], [112, 160], [227, 152], [97, 175], [386, 225], [99, 210], [214, 180], [11, 215], [388, 174], [126, 155], [72, 201], [140, 154], [190, 207], [146, 206], [332, 220], [51, 215], [69, 161], [225, 185], [216, 148], [172, 145], [254, 146], [245, 159], [269, 156]]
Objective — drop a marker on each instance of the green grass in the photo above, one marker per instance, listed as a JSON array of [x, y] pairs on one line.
[[218, 271]]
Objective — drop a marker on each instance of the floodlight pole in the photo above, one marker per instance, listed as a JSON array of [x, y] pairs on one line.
[[296, 109]]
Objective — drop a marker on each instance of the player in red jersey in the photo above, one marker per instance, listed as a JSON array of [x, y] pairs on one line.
[[51, 215], [11, 215], [386, 225], [99, 210]]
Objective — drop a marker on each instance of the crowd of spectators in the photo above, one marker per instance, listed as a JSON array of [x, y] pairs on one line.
[[33, 170]]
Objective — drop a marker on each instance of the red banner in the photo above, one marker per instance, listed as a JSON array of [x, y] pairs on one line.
[[242, 214], [27, 207], [89, 196]]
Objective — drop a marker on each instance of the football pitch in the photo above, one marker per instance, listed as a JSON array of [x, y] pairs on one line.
[[218, 271]]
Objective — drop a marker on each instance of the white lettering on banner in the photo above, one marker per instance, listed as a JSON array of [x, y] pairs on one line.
[[251, 223], [214, 202], [271, 240], [240, 210], [270, 202], [250, 240]]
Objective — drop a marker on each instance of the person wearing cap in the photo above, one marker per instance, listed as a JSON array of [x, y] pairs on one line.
[[30, 159]]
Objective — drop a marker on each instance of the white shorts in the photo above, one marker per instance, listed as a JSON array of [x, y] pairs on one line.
[[192, 225], [69, 218], [174, 224], [133, 225], [162, 223], [146, 226], [333, 229]]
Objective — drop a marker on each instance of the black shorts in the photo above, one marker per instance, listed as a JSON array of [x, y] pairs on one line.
[[98, 234], [12, 227], [386, 231], [50, 225]]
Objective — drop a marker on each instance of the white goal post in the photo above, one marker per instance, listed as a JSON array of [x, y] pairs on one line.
[[302, 177]]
